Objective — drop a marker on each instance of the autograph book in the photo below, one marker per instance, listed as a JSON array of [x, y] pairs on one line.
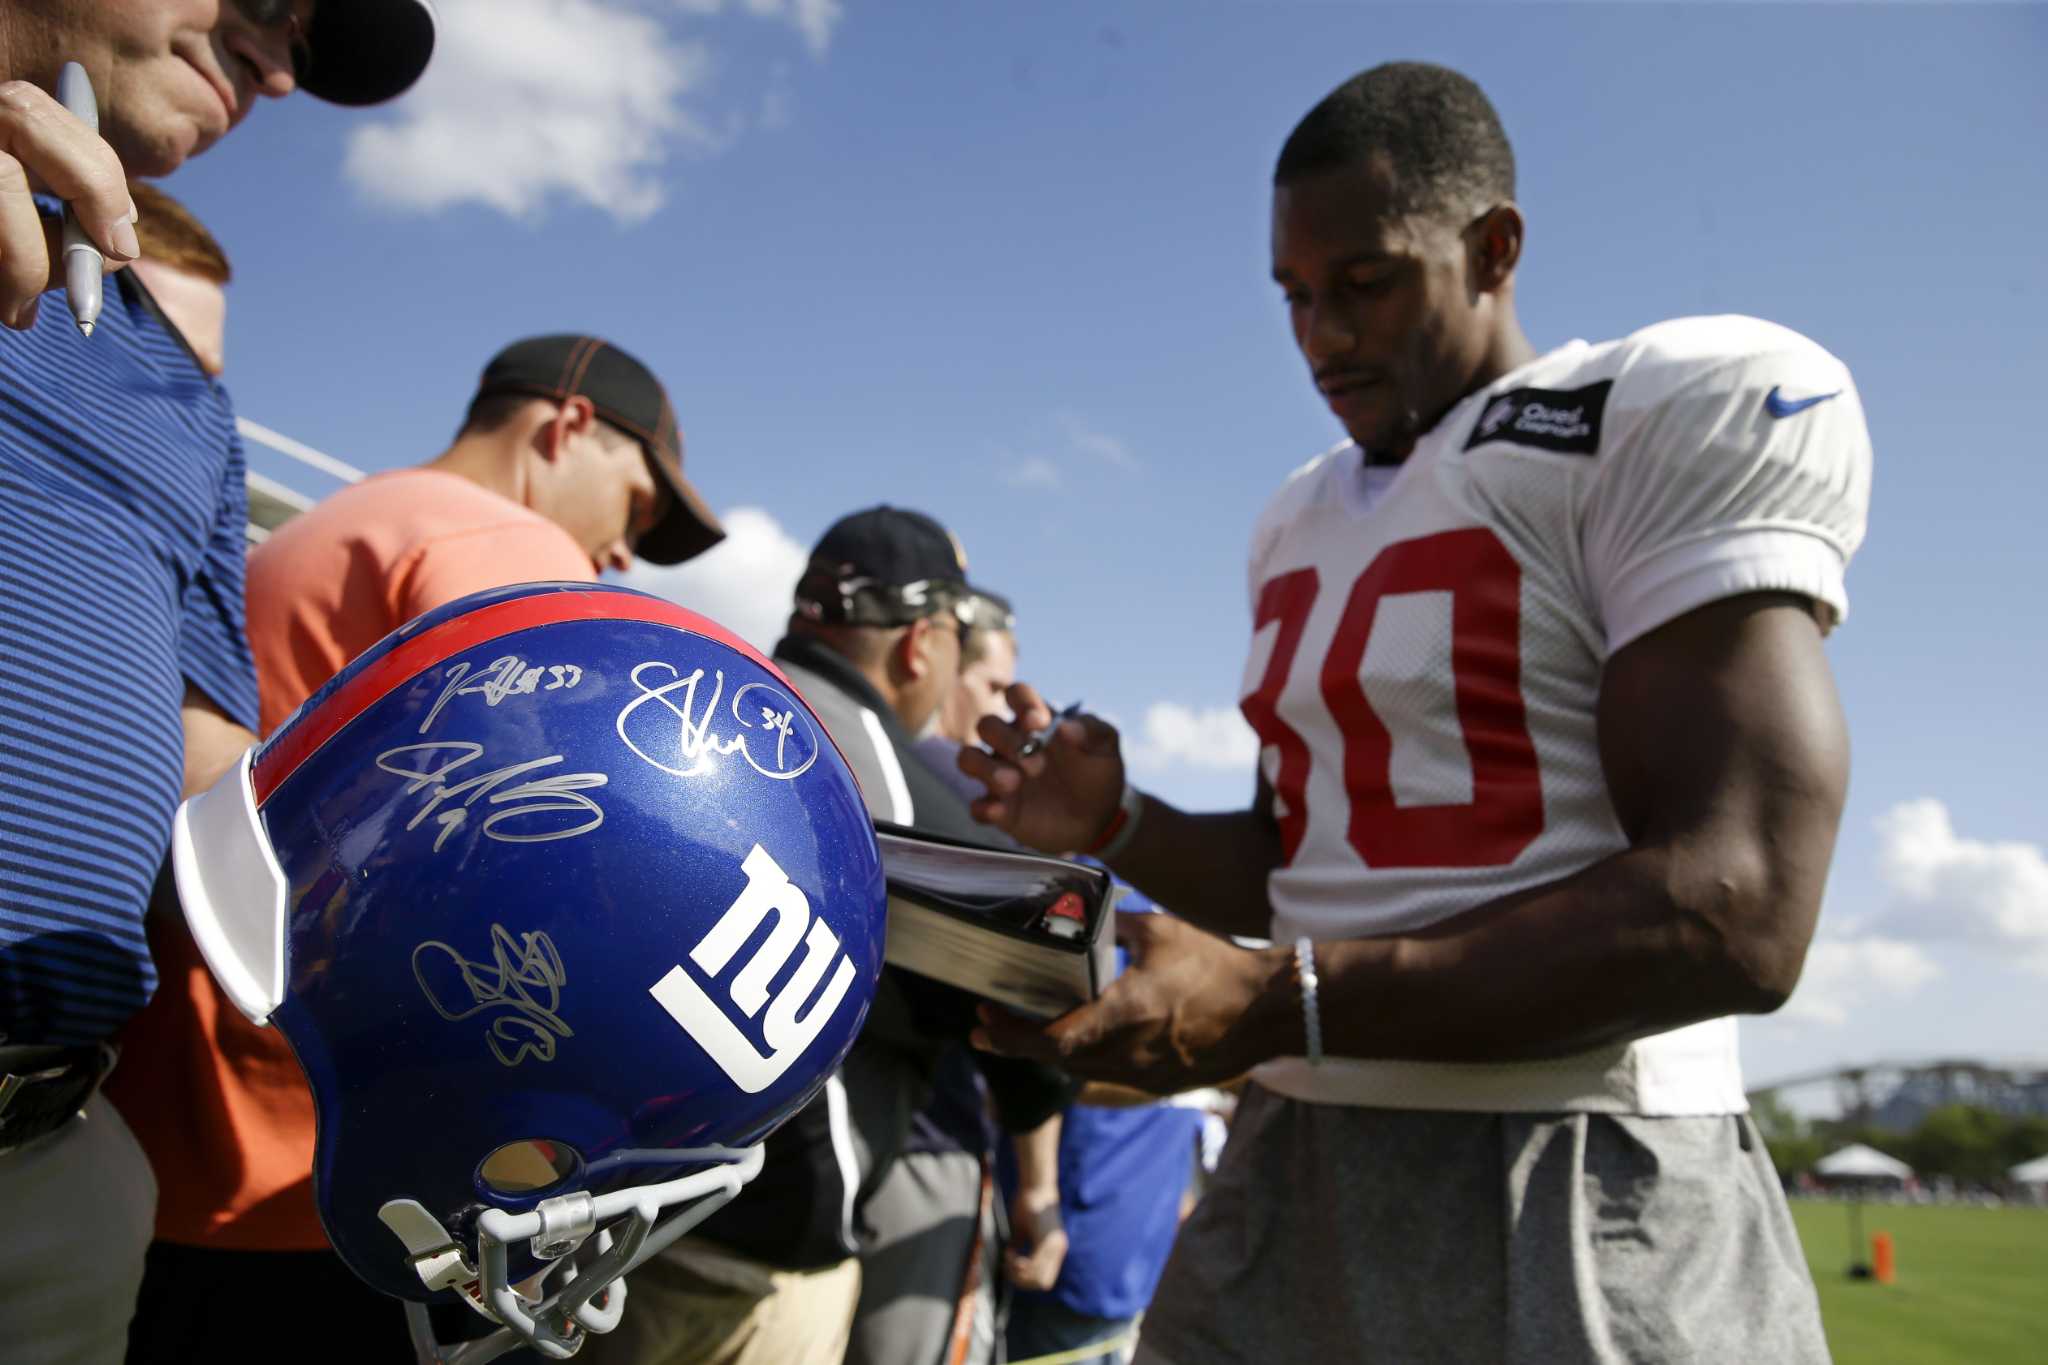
[[1023, 929]]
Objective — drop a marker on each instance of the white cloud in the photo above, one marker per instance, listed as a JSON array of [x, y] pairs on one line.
[[531, 101], [1945, 886], [1842, 973], [1033, 471], [814, 19], [1174, 735], [744, 583], [1076, 439], [778, 101], [1098, 444]]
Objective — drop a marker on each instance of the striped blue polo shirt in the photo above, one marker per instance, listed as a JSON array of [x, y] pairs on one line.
[[121, 547]]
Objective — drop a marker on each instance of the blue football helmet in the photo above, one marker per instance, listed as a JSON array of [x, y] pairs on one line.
[[564, 900]]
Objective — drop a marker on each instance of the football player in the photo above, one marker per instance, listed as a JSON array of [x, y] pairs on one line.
[[1551, 771]]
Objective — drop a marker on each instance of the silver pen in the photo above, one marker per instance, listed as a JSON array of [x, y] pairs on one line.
[[83, 264], [1044, 737]]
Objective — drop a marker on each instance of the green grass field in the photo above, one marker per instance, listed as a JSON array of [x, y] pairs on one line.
[[1971, 1289]]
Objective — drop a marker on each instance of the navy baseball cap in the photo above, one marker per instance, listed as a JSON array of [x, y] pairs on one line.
[[626, 394], [885, 566], [366, 51]]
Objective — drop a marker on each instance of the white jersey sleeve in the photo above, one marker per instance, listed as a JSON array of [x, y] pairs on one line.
[[1749, 473]]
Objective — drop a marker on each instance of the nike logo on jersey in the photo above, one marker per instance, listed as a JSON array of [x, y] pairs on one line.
[[1778, 405], [1563, 420], [786, 1031]]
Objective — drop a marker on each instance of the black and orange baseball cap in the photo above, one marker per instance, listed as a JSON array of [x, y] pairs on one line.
[[626, 394]]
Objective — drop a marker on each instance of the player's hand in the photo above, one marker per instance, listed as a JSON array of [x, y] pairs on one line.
[[1061, 798], [43, 147], [1035, 1223], [1191, 1010]]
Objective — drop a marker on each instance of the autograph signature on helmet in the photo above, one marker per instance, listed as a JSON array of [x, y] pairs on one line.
[[510, 676], [429, 765], [770, 716], [524, 978]]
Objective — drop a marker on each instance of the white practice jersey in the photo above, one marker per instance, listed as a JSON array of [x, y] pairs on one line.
[[1428, 643]]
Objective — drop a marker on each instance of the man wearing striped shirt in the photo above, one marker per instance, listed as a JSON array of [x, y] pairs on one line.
[[124, 674]]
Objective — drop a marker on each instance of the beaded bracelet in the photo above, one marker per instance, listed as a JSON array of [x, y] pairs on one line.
[[1311, 1016]]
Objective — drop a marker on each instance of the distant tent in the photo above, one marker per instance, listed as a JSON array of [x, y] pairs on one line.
[[1858, 1162], [1860, 1167], [2033, 1172]]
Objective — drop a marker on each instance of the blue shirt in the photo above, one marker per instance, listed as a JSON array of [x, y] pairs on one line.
[[1122, 1175], [122, 515]]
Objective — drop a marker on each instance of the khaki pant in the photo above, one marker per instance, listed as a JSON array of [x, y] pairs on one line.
[[696, 1304]]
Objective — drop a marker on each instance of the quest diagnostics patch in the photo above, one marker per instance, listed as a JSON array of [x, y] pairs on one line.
[[1564, 420]]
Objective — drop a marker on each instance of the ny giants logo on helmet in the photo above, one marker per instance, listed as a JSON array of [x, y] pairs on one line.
[[788, 1029]]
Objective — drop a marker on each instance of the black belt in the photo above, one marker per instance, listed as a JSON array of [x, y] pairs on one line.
[[43, 1087]]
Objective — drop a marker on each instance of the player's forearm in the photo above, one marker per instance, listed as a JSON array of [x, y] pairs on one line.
[[1636, 944], [1210, 868]]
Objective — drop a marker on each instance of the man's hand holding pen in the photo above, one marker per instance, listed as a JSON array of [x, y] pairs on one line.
[[1053, 781], [45, 148]]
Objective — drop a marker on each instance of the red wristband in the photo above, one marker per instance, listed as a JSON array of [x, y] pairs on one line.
[[1109, 831]]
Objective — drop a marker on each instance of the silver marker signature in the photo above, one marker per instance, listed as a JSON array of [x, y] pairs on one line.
[[524, 976], [765, 711], [510, 676], [428, 767]]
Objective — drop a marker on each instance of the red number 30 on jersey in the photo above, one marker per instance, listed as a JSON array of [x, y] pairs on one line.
[[1505, 813]]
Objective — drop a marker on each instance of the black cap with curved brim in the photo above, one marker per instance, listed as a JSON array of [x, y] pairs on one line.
[[626, 394], [885, 566], [366, 51]]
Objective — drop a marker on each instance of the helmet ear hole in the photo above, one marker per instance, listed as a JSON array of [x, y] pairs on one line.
[[530, 1164]]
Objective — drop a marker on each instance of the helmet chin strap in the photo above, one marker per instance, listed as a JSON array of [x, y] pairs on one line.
[[629, 1228]]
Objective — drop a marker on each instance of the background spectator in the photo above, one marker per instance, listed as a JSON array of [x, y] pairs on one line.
[[185, 273], [774, 1277], [546, 479]]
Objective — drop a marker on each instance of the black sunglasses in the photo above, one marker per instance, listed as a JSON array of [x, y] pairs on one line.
[[271, 14]]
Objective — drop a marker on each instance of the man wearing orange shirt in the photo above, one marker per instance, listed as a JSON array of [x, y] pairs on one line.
[[568, 461]]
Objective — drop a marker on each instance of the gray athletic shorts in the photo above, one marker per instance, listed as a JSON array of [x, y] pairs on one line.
[[1339, 1234]]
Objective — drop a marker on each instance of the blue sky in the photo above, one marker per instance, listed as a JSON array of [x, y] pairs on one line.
[[1007, 263]]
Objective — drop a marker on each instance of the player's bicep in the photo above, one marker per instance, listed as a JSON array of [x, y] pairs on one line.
[[1723, 744]]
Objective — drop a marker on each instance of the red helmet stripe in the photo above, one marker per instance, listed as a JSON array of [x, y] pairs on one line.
[[279, 759]]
